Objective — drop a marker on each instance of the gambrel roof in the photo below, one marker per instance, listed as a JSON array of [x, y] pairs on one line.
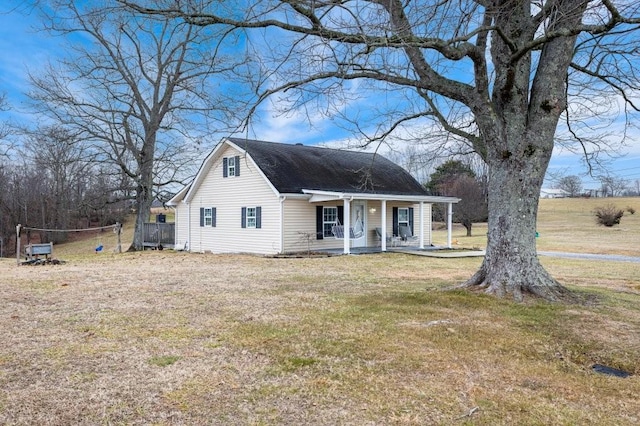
[[294, 168]]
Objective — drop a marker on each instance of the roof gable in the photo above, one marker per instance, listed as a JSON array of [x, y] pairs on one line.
[[292, 168]]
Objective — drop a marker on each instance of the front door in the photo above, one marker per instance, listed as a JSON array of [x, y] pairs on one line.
[[359, 224]]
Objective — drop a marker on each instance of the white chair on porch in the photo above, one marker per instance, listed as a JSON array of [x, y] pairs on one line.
[[391, 240], [406, 236]]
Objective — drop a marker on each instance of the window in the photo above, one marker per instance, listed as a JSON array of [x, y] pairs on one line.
[[208, 216], [403, 217], [326, 218], [329, 219], [231, 166], [252, 217]]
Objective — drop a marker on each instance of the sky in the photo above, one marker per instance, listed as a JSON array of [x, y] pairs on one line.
[[24, 49]]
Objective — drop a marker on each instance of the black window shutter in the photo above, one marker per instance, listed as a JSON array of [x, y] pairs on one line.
[[244, 217], [411, 220], [237, 160], [258, 217], [341, 215], [213, 216], [224, 166], [319, 223], [201, 216], [395, 221]]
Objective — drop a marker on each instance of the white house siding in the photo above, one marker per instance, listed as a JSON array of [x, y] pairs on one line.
[[299, 221], [182, 224], [374, 220], [228, 195], [427, 222]]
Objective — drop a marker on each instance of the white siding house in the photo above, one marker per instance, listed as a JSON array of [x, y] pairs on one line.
[[268, 198], [553, 193]]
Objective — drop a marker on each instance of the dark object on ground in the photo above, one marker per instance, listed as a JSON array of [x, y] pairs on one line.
[[603, 369], [43, 262]]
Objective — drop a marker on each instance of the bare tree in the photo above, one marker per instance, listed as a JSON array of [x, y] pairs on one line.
[[613, 186], [61, 160], [136, 87], [473, 207], [456, 179], [445, 174], [572, 184], [7, 226], [498, 75], [4, 128]]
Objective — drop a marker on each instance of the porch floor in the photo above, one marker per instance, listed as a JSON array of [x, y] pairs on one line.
[[432, 251]]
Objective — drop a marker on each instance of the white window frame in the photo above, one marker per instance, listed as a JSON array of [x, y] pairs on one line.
[[208, 216], [326, 231], [231, 166], [252, 217], [401, 211]]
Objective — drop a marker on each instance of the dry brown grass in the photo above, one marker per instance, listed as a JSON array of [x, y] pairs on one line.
[[569, 225], [173, 338]]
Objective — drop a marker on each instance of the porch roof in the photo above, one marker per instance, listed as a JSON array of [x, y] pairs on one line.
[[317, 196]]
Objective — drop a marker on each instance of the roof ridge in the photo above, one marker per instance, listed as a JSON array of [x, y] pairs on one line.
[[234, 139]]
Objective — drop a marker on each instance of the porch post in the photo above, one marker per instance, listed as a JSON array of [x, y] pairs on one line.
[[421, 225], [449, 223], [347, 226], [383, 225]]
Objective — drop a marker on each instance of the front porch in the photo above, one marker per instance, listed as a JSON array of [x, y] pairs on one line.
[[390, 221]]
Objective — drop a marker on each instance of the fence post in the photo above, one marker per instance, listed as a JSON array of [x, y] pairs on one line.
[[119, 232], [18, 243]]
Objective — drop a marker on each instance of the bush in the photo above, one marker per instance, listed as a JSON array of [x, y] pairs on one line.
[[631, 210], [608, 215]]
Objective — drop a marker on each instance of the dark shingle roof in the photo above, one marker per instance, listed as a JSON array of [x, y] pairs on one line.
[[291, 168]]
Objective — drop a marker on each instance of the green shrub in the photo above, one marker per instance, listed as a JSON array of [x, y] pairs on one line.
[[608, 215]]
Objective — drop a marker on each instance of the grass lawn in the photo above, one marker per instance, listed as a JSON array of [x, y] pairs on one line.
[[568, 225], [170, 338]]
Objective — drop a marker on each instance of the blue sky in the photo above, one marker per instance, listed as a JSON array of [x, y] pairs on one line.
[[24, 49]]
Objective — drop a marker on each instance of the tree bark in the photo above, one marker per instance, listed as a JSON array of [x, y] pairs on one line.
[[519, 140], [511, 266], [144, 190]]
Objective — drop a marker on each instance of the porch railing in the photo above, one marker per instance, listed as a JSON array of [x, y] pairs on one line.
[[159, 234]]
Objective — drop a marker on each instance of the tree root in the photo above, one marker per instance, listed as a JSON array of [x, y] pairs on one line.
[[538, 284]]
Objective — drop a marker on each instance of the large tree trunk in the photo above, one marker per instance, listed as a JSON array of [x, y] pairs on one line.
[[519, 138], [511, 266], [144, 199], [144, 192]]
